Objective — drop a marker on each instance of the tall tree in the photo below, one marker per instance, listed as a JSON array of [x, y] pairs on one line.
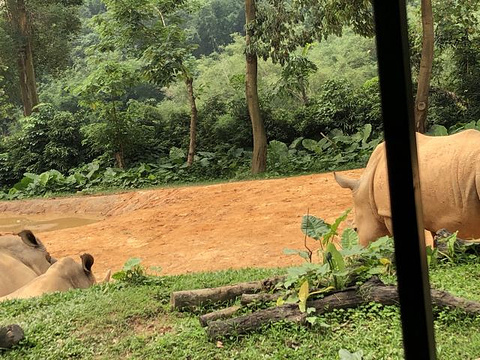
[[259, 157], [104, 91], [457, 39], [40, 32], [426, 62], [277, 28], [150, 30], [20, 23]]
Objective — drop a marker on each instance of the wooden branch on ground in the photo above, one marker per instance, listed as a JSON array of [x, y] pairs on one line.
[[372, 291], [262, 297], [10, 335], [191, 299], [206, 319]]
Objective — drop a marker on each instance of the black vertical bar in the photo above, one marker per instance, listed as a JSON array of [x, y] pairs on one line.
[[401, 150]]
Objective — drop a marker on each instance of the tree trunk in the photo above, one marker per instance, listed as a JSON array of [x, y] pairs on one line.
[[259, 157], [424, 75], [193, 121], [119, 153], [119, 160], [19, 21]]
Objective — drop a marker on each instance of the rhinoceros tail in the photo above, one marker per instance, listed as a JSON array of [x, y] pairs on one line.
[[345, 182]]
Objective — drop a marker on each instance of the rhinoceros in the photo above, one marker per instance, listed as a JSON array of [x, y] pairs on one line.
[[64, 275], [23, 257], [449, 170]]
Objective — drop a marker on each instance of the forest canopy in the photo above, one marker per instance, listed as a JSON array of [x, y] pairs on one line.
[[99, 94]]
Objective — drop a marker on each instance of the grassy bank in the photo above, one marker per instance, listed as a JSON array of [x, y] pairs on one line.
[[124, 321]]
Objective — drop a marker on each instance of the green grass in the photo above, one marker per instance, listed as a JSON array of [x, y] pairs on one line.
[[123, 321]]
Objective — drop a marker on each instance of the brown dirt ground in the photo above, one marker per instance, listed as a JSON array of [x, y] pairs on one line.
[[184, 229]]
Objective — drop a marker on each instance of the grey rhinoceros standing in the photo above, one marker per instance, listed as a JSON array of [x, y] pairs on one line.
[[449, 168]]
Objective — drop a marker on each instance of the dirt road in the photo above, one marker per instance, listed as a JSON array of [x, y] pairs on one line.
[[184, 229]]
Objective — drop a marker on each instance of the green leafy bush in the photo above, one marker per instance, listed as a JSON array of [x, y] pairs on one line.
[[48, 139], [335, 269]]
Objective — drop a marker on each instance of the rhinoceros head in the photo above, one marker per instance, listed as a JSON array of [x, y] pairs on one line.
[[28, 249]]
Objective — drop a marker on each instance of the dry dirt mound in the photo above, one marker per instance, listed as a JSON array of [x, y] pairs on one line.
[[184, 229]]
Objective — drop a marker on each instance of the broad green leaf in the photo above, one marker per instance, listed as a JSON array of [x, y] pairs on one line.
[[278, 151], [314, 227], [303, 292], [302, 305], [471, 125], [337, 258], [335, 225], [176, 155], [347, 355], [23, 184], [131, 263], [367, 131], [312, 145], [438, 130], [93, 168], [385, 261], [355, 250], [295, 143], [349, 238], [379, 242], [43, 178]]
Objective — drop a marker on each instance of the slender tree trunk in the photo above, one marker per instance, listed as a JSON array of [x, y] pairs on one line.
[[20, 22], [421, 100], [120, 152], [259, 157], [304, 95], [193, 121]]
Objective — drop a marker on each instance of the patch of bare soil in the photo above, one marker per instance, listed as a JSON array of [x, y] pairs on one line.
[[184, 229]]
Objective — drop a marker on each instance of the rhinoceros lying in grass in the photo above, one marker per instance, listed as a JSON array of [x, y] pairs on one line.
[[449, 169], [22, 258], [65, 274]]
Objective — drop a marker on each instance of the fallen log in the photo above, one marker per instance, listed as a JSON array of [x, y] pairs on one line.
[[218, 315], [371, 291], [192, 299], [10, 335], [288, 312], [262, 297]]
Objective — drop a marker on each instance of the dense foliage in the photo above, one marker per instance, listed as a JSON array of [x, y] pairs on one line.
[[105, 93]]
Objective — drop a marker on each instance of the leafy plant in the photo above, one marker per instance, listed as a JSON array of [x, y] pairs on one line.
[[347, 355], [450, 249], [134, 273], [336, 269]]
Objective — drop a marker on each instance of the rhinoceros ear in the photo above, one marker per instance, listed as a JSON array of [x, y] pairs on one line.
[[87, 262], [29, 239], [345, 182]]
